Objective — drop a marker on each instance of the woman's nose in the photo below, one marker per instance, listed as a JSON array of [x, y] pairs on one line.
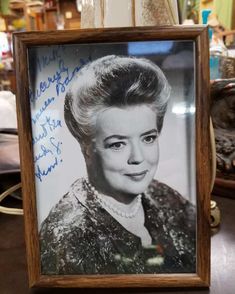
[[136, 155]]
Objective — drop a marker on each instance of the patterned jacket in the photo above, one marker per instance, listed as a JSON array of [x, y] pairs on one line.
[[80, 237]]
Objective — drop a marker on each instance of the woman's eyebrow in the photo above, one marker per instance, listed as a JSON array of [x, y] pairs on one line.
[[150, 132], [119, 137]]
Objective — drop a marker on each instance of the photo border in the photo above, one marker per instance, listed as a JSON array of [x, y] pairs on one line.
[[197, 34]]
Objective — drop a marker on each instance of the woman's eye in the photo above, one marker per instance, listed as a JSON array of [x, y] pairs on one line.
[[116, 145], [150, 139]]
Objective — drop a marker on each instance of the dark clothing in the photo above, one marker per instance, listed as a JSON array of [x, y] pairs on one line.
[[80, 237]]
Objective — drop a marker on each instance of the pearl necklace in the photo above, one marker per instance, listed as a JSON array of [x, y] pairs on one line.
[[107, 204]]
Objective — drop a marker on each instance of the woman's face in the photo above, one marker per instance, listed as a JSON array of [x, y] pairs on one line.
[[126, 149]]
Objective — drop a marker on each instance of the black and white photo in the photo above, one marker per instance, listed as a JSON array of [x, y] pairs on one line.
[[119, 219]]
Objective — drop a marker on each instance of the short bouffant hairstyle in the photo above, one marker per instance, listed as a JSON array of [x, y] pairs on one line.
[[113, 81]]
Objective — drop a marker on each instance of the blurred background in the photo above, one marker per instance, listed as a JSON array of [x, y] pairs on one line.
[[19, 15]]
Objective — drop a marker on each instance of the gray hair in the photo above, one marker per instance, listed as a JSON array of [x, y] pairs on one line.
[[113, 81]]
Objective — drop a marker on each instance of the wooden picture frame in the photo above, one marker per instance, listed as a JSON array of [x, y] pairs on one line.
[[43, 76]]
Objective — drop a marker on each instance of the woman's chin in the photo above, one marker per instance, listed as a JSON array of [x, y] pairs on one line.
[[135, 189], [127, 188]]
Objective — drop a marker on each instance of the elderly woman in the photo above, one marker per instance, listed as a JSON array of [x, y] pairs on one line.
[[119, 219]]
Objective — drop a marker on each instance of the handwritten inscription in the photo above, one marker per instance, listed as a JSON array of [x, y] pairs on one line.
[[44, 129], [55, 77], [56, 145], [40, 173], [61, 78], [62, 85], [49, 153], [54, 55], [42, 109], [43, 153]]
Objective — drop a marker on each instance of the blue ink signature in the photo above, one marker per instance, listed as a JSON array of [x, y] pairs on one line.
[[56, 145], [44, 85], [61, 85], [53, 149], [44, 152], [42, 109], [49, 126], [40, 173], [54, 55], [57, 79]]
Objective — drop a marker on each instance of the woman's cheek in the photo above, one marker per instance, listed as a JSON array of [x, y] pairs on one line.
[[151, 154], [114, 160]]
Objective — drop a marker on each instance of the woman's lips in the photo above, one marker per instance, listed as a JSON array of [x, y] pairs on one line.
[[137, 176]]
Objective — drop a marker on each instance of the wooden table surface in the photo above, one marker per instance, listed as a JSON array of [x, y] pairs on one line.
[[13, 274]]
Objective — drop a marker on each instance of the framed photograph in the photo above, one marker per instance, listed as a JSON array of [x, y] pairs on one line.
[[115, 156]]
